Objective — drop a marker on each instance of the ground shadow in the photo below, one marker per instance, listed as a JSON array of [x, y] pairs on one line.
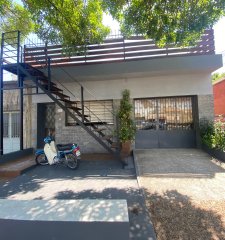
[[140, 223], [33, 179], [42, 183], [176, 217]]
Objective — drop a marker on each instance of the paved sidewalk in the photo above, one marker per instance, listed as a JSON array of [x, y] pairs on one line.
[[185, 192], [104, 179]]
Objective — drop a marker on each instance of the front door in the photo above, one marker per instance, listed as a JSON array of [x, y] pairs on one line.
[[165, 122], [45, 122]]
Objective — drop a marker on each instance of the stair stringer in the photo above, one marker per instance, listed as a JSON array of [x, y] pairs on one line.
[[50, 95]]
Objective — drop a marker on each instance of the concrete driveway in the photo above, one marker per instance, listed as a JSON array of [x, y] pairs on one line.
[[185, 192], [95, 179]]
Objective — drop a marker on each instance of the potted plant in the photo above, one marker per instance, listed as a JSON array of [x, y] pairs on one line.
[[126, 126]]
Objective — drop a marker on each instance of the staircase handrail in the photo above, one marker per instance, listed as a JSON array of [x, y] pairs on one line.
[[74, 79]]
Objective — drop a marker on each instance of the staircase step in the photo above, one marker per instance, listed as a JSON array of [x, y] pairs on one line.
[[45, 82], [32, 71], [60, 94], [99, 129], [107, 137], [74, 108], [68, 101], [52, 88], [80, 115]]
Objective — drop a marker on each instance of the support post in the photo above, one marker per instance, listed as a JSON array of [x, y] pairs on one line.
[[18, 58], [49, 74], [124, 50], [20, 84], [21, 112], [18, 47], [82, 103], [1, 96]]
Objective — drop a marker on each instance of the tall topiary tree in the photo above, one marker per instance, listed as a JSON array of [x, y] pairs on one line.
[[126, 123]]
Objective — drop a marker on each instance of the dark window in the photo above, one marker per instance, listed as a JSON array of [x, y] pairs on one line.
[[97, 111], [164, 113]]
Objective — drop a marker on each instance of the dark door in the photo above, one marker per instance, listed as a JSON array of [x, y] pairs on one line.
[[165, 123], [45, 122]]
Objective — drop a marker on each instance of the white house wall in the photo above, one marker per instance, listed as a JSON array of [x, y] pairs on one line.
[[174, 85], [159, 86]]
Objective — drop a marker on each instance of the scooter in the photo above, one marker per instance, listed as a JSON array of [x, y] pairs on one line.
[[66, 154]]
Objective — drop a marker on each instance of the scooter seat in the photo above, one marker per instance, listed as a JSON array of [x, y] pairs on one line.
[[63, 147]]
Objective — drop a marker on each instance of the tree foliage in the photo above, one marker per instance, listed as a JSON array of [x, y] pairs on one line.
[[14, 17], [178, 21], [74, 22], [70, 22], [217, 76]]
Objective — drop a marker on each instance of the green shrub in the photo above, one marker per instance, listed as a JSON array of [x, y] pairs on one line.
[[213, 134]]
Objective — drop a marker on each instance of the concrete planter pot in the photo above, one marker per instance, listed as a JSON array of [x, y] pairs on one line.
[[216, 153], [126, 148]]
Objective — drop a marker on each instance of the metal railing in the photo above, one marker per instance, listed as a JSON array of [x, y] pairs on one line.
[[114, 49]]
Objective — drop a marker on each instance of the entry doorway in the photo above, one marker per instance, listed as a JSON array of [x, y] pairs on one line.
[[165, 122], [45, 122]]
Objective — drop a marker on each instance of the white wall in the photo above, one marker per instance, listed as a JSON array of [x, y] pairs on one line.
[[157, 86], [175, 85]]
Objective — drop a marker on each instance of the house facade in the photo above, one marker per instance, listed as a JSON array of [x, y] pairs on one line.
[[170, 88]]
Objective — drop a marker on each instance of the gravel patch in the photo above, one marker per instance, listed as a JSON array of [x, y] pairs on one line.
[[177, 217], [184, 191]]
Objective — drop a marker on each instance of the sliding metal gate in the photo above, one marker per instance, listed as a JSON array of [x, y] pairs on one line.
[[165, 122]]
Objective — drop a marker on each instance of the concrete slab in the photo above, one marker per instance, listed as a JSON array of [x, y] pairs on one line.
[[190, 171], [82, 210], [72, 219], [184, 192]]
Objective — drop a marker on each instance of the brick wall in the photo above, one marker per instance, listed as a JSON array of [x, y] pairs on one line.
[[219, 97], [205, 113], [75, 134], [206, 107]]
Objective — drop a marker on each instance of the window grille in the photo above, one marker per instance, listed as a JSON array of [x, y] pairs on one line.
[[11, 124], [98, 112], [167, 113]]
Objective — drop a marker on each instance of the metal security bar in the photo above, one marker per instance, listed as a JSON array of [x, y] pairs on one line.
[[168, 113], [117, 49], [95, 110]]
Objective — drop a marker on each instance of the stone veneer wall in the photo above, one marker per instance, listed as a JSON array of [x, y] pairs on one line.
[[206, 107], [205, 113]]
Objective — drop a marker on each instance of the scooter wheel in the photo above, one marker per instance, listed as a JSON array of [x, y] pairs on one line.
[[71, 161], [41, 159]]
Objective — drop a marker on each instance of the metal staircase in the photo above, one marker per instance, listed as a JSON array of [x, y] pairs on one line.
[[26, 72]]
